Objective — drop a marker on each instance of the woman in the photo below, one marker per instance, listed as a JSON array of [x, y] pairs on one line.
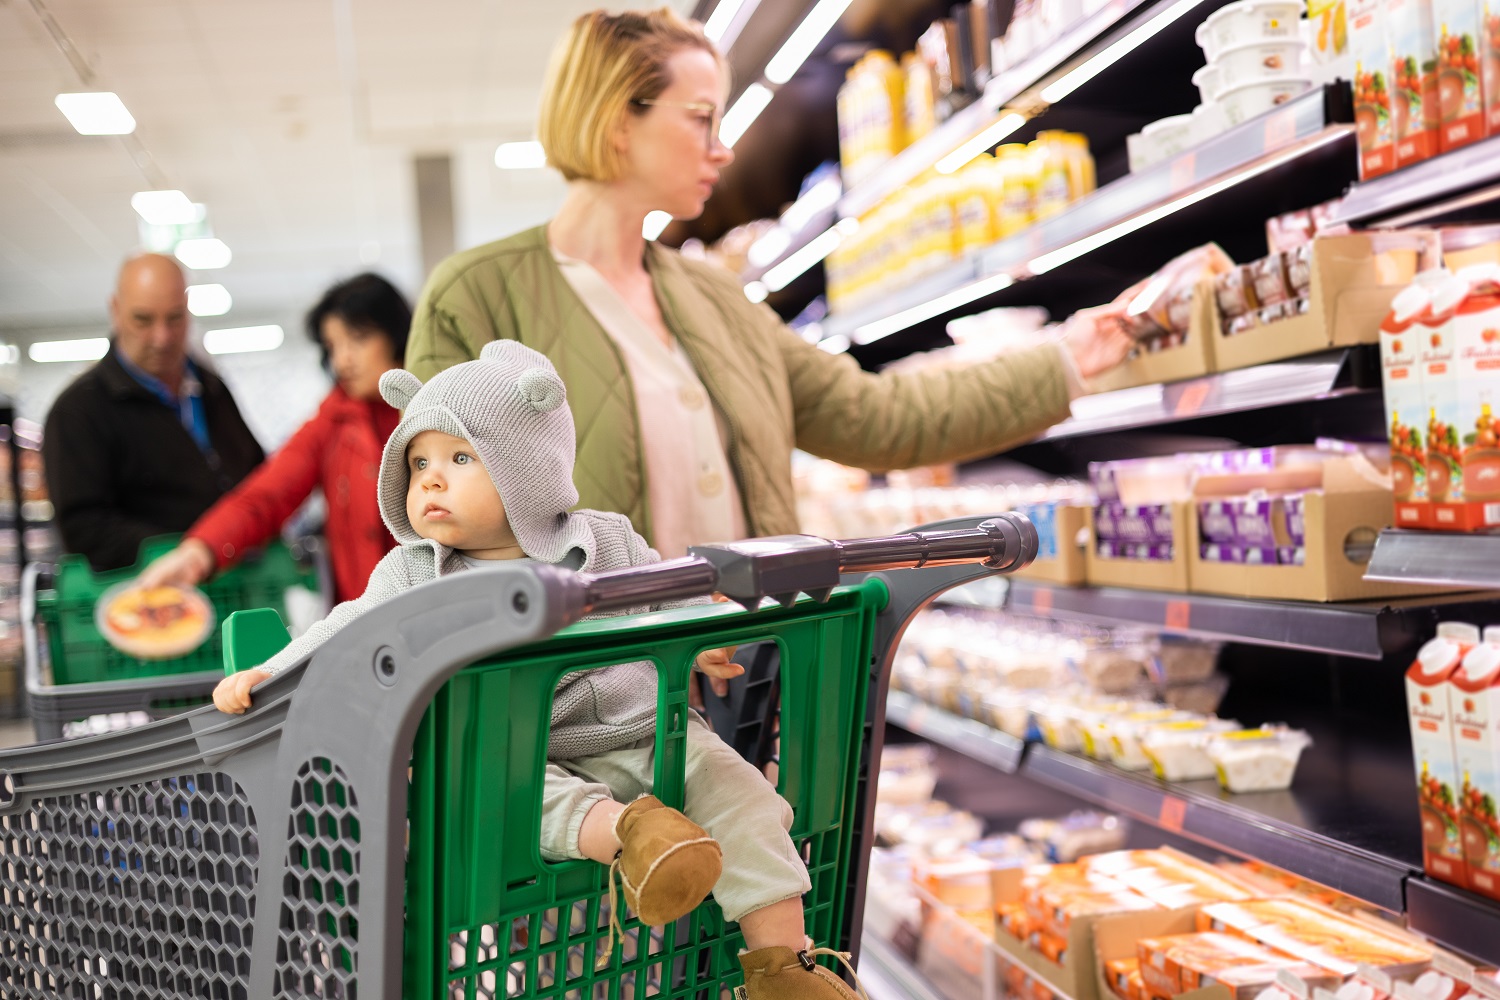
[[362, 326], [689, 399]]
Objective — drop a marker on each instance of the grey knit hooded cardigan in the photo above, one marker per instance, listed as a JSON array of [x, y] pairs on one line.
[[510, 405]]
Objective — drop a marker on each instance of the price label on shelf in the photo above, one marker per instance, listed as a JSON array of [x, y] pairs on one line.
[[1041, 600], [1172, 813], [1184, 172], [1179, 615], [1281, 129], [1194, 395]]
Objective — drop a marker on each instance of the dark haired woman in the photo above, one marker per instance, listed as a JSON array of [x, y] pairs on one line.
[[361, 324]]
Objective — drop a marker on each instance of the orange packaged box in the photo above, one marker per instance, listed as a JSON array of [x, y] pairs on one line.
[[961, 882], [1185, 962], [1013, 920], [1321, 936], [1124, 978]]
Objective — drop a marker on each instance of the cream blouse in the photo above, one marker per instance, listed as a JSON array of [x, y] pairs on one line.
[[690, 487]]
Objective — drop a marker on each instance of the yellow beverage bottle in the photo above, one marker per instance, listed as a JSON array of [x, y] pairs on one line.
[[1018, 194], [919, 97], [1052, 156], [976, 224]]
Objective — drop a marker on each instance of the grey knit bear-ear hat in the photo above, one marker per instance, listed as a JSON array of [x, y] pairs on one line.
[[512, 407]]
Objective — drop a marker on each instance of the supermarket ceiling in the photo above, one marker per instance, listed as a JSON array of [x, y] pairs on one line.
[[295, 122]]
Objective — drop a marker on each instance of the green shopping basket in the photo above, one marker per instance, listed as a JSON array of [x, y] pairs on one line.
[[370, 827], [80, 655]]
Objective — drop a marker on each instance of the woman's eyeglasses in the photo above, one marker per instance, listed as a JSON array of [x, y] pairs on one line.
[[710, 120]]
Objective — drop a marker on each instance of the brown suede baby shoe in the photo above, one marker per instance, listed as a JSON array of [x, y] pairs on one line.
[[783, 974], [668, 864]]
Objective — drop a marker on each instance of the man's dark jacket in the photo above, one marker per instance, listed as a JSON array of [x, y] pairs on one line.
[[121, 467]]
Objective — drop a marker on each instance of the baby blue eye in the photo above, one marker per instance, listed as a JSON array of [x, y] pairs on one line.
[[461, 459], [419, 464]]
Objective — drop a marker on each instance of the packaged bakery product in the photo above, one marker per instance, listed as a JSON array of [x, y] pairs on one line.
[[155, 623], [1263, 759], [1270, 279], [1177, 749], [1234, 290]]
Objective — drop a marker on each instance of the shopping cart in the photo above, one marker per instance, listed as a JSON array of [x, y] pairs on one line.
[[369, 828], [72, 673]]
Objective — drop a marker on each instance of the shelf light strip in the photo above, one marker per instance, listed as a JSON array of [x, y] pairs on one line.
[[1076, 78], [816, 249], [744, 112], [795, 50], [981, 142], [1088, 244], [871, 332]]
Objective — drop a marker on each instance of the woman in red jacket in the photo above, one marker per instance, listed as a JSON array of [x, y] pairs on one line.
[[361, 325]]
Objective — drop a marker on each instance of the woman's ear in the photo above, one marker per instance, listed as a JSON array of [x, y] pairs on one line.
[[398, 386]]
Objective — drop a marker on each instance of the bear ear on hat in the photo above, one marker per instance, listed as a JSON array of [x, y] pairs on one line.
[[541, 389], [398, 386]]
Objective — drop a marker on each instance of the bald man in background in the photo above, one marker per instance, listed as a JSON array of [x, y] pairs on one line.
[[146, 440]]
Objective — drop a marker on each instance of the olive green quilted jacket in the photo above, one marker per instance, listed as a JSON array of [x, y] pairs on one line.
[[775, 391]]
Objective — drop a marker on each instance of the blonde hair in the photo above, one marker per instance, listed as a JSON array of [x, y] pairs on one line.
[[605, 62]]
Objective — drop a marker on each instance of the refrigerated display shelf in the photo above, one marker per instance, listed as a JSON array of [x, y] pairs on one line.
[[888, 975], [1329, 375], [972, 739], [1294, 132], [1090, 36], [1458, 919], [1452, 182], [1339, 826], [1450, 560], [1365, 629]]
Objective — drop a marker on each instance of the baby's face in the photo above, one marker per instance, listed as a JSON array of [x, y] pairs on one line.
[[451, 499]]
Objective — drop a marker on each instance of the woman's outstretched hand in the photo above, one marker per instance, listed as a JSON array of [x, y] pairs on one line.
[[185, 566], [1096, 339]]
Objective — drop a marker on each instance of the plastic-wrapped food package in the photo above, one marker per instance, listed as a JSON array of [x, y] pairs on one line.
[[1009, 711], [1257, 760], [907, 774], [1178, 750], [1125, 735], [1202, 697], [1183, 661], [1148, 305], [1075, 835], [1119, 667]]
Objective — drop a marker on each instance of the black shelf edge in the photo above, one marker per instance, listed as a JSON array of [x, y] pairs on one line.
[[1364, 629], [1427, 189], [1443, 559], [1298, 128], [1458, 919], [972, 739], [1202, 812], [1317, 376]]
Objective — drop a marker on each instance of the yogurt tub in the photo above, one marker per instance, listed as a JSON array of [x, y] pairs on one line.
[[1207, 80], [1244, 102], [1178, 750], [1249, 21], [1258, 61], [1125, 735], [1167, 137], [1257, 760], [1209, 120]]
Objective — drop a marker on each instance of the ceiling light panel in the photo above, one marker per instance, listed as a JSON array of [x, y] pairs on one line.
[[203, 255], [100, 113]]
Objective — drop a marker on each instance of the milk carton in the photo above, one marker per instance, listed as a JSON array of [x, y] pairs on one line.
[[1414, 110], [1474, 696], [1440, 392], [1401, 382], [1432, 747], [1474, 499], [1460, 69], [1370, 40]]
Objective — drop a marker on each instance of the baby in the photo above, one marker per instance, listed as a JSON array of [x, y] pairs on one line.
[[480, 469]]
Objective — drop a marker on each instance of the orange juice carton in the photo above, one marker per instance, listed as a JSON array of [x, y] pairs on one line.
[[1370, 41], [1401, 383], [1414, 111], [1474, 694], [1432, 743], [1440, 391], [1460, 72], [1473, 502]]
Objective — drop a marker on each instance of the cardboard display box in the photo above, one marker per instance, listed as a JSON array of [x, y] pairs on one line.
[[1080, 974], [1348, 512], [1351, 292], [1194, 357], [1115, 938], [1150, 574], [1066, 568]]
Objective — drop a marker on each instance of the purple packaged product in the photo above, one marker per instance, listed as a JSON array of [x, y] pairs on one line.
[[1253, 526], [1215, 522], [1291, 555], [1161, 551], [1159, 517], [1258, 555], [1107, 521], [1134, 526], [1296, 524], [1102, 475], [1110, 549], [1218, 553]]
